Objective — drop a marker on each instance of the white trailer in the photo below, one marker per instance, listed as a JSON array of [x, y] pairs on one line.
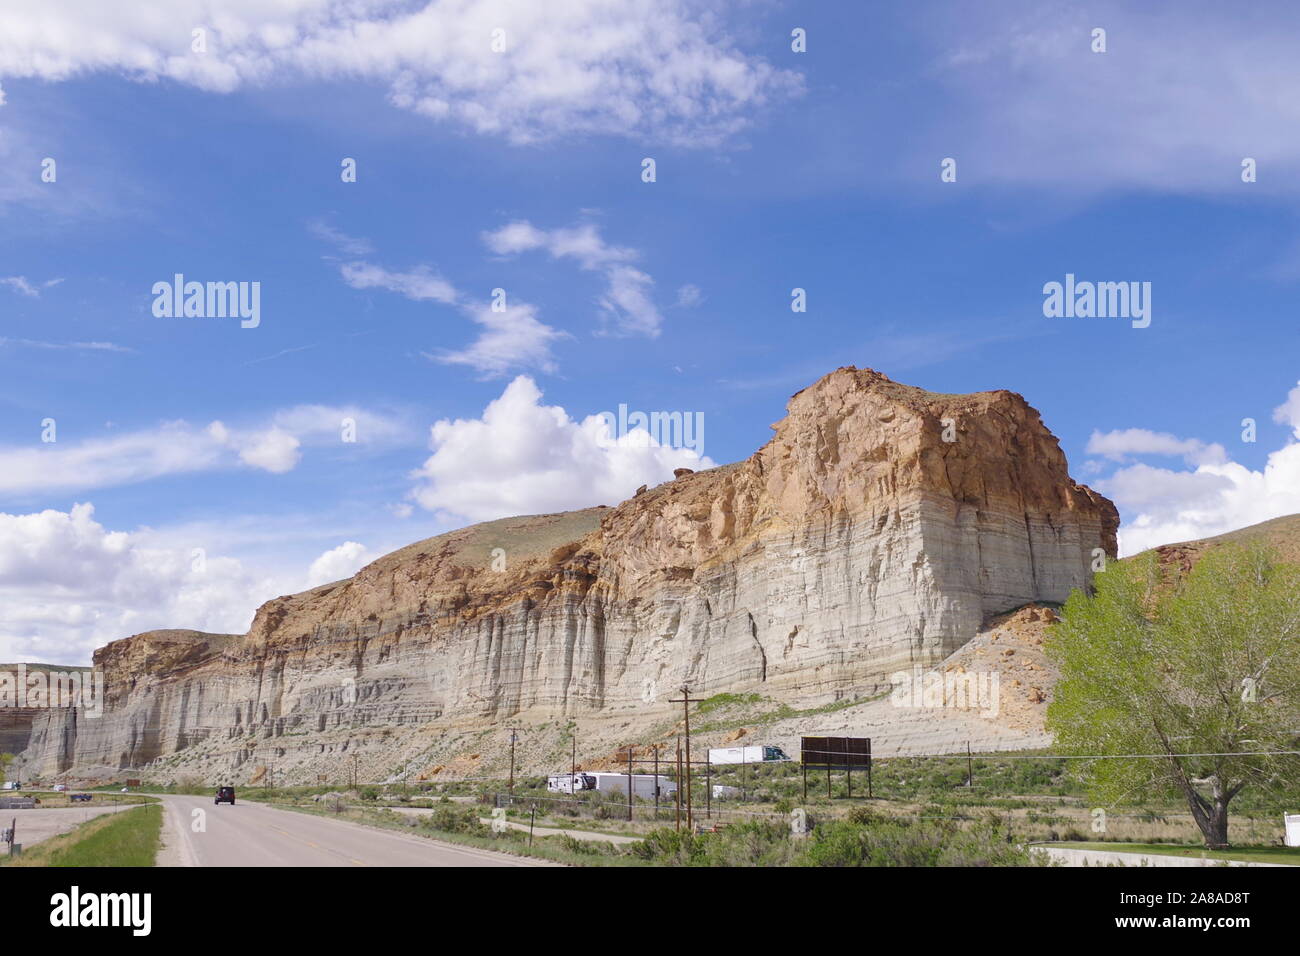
[[643, 784], [756, 754], [570, 782]]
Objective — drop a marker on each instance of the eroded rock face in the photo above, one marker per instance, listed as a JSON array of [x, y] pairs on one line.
[[877, 530]]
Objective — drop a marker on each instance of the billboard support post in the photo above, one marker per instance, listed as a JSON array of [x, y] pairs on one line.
[[836, 753]]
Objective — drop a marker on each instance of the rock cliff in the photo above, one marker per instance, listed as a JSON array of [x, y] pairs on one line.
[[877, 530]]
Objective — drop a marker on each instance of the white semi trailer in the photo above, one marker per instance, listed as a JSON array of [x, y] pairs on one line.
[[643, 784], [757, 754]]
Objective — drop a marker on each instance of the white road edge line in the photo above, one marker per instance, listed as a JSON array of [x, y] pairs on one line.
[[180, 834]]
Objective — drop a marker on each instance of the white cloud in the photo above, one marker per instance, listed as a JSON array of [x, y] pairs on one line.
[[515, 237], [338, 563], [1288, 413], [71, 346], [176, 448], [628, 301], [420, 284], [325, 424], [1123, 444], [20, 284], [627, 298], [1181, 95], [664, 70], [689, 296], [172, 448], [523, 457], [351, 245], [1212, 496], [511, 339], [68, 585], [273, 450]]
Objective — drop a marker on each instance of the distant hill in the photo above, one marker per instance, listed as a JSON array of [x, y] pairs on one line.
[[1281, 534]]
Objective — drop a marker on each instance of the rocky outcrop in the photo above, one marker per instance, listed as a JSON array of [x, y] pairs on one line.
[[25, 696], [877, 530]]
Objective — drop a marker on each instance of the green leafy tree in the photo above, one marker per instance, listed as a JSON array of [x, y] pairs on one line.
[[1200, 669], [5, 760]]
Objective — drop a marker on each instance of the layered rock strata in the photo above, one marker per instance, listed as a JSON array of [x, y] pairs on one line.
[[877, 530]]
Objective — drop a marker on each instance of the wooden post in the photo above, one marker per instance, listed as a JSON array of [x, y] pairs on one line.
[[708, 785], [678, 791], [512, 760], [685, 701], [629, 784], [870, 796], [656, 782]]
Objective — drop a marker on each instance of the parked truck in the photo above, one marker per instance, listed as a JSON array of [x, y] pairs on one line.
[[756, 754], [643, 784]]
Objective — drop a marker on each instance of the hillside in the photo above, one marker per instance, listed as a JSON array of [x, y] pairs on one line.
[[878, 531], [1281, 534]]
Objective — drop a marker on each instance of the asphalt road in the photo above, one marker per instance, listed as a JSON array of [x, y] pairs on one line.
[[250, 834]]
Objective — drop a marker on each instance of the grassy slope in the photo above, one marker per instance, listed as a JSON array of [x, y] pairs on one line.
[[1282, 534], [128, 838]]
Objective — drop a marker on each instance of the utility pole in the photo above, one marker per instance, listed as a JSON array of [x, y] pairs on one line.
[[629, 783], [512, 760], [685, 701], [656, 782], [573, 769], [678, 778]]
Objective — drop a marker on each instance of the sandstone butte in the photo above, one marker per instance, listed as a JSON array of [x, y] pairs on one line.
[[856, 543]]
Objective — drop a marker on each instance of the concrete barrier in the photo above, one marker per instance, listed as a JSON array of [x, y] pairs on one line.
[[1088, 857]]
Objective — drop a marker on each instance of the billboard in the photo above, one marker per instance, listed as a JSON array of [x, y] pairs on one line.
[[836, 753]]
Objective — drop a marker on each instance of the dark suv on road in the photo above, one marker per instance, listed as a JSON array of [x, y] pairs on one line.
[[225, 795]]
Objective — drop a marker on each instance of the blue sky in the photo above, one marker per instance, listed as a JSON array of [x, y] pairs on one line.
[[521, 170]]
